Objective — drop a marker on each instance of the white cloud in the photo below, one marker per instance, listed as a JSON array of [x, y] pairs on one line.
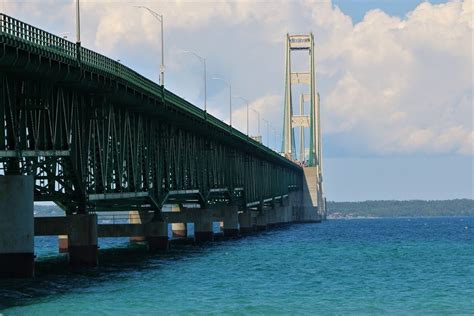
[[402, 80], [388, 85]]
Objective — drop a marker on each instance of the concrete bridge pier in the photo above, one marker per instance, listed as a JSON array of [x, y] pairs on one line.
[[311, 196], [136, 217], [83, 248], [231, 221], [285, 213], [203, 230], [262, 220], [279, 214], [272, 216], [179, 230], [246, 223], [16, 226], [157, 236], [295, 205]]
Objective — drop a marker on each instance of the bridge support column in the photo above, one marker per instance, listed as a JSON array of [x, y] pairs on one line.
[[288, 216], [285, 212], [246, 222], [63, 243], [262, 221], [231, 221], [136, 217], [83, 249], [203, 228], [272, 220], [311, 196], [157, 236], [296, 208], [180, 230], [16, 226]]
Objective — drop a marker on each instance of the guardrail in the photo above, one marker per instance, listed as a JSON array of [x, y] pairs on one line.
[[37, 38]]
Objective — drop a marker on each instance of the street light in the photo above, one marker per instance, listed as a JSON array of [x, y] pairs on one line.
[[268, 139], [159, 17], [258, 115], [203, 60], [246, 101], [78, 24], [230, 97], [78, 32]]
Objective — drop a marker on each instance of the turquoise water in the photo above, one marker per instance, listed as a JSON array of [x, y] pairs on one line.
[[364, 266]]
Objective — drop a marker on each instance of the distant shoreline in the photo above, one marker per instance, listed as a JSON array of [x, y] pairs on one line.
[[400, 209], [394, 217]]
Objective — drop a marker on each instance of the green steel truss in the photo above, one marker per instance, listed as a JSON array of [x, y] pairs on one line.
[[98, 136]]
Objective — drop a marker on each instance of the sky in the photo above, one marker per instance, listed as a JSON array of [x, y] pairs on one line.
[[395, 77]]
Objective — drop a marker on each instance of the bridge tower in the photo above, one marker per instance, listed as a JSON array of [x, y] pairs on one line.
[[301, 120], [305, 123]]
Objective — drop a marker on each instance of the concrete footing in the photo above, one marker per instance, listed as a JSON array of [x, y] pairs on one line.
[[17, 265], [231, 222], [311, 196], [157, 243], [157, 236], [206, 236], [203, 230], [246, 223], [261, 220], [16, 226], [231, 232], [83, 249]]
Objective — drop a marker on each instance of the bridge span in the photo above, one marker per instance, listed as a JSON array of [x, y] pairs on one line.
[[94, 136]]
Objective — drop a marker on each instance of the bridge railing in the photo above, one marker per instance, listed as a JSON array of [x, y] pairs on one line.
[[112, 67], [31, 35]]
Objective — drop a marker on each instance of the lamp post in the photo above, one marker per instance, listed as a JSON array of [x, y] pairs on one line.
[[159, 17], [203, 60], [78, 32], [268, 125], [247, 102], [78, 24], [258, 122], [230, 97]]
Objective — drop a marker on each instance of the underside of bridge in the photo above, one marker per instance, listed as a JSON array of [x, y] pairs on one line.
[[94, 136]]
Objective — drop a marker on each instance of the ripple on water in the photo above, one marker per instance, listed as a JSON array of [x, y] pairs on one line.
[[397, 266]]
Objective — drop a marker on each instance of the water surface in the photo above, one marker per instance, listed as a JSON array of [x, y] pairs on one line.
[[363, 266]]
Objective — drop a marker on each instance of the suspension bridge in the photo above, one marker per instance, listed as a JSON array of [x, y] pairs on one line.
[[94, 136]]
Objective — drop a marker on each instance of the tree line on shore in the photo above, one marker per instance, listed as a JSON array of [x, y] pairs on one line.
[[411, 208]]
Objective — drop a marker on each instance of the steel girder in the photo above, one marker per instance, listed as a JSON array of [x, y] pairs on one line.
[[86, 149]]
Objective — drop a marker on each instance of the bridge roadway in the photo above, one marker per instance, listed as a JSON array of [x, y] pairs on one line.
[[92, 135]]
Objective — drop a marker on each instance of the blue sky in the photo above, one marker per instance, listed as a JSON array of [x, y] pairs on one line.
[[357, 9], [395, 77], [428, 177]]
